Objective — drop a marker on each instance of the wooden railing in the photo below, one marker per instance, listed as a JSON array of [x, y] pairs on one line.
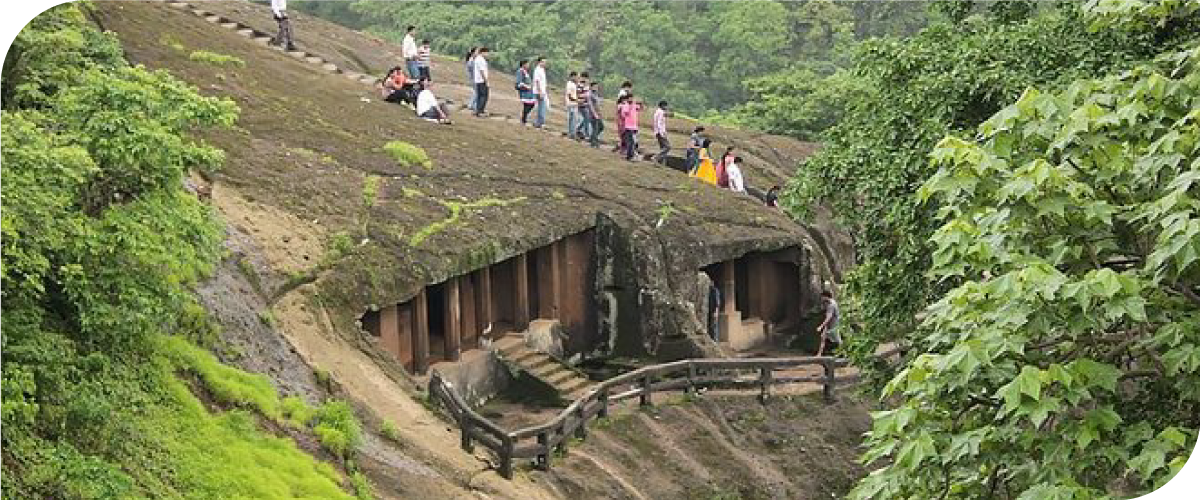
[[539, 441]]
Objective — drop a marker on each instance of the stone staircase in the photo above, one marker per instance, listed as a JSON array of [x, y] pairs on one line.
[[569, 383]]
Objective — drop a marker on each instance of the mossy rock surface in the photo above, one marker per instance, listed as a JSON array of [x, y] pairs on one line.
[[495, 190]]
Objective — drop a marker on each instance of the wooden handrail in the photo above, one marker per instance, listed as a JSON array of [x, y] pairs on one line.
[[572, 421]]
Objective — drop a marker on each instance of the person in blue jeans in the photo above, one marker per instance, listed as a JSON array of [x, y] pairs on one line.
[[596, 123], [571, 102], [470, 59], [540, 92], [587, 114]]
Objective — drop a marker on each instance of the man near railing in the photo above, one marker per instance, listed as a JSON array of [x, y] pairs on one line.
[[830, 338]]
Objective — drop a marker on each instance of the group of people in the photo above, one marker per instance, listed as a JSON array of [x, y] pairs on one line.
[[582, 99]]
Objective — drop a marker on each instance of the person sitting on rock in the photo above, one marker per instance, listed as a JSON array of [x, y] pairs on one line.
[[398, 89], [428, 106]]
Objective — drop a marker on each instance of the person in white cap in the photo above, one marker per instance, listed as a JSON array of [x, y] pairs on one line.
[[284, 37]]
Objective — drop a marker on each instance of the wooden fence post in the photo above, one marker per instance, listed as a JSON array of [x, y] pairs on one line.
[[828, 365], [645, 396], [581, 431], [543, 457], [691, 387], [464, 422], [603, 403], [764, 380], [506, 457]]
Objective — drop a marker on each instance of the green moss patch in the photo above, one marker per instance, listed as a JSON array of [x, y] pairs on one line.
[[215, 59], [407, 155]]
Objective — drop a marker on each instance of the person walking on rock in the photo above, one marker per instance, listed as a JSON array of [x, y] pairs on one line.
[[470, 60], [629, 128], [524, 84], [284, 37], [831, 339], [571, 101], [596, 125], [733, 175], [408, 49], [540, 92], [481, 82], [693, 148], [660, 132], [584, 103], [705, 170]]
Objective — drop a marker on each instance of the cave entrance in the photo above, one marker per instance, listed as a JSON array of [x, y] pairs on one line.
[[553, 282], [762, 296]]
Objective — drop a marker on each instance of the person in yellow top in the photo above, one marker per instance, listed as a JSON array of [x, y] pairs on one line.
[[705, 170]]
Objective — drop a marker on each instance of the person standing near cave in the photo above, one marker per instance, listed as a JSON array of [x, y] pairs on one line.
[[714, 310], [831, 339], [284, 37]]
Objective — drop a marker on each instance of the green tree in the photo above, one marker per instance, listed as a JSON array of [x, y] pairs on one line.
[[912, 92], [1065, 363]]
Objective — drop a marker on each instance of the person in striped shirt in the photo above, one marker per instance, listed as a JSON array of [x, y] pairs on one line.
[[586, 113], [423, 57]]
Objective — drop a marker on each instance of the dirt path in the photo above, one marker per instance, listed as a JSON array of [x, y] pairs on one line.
[[422, 434]]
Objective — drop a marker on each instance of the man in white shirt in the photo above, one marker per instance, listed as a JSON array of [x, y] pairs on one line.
[[540, 92], [571, 102], [427, 104], [737, 183], [409, 51], [481, 81], [660, 131], [284, 37]]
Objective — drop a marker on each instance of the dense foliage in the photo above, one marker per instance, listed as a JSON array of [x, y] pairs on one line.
[[1062, 359], [905, 95], [694, 54], [1067, 362], [100, 245]]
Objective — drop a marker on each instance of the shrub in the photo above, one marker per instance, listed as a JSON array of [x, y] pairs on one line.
[[390, 431], [215, 59], [337, 428], [407, 155]]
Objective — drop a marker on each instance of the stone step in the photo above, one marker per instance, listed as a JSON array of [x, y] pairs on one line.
[[330, 67], [215, 19], [178, 5], [545, 371], [520, 353], [201, 12], [574, 387], [537, 362], [508, 343], [559, 377]]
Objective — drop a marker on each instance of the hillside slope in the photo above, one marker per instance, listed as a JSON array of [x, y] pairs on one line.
[[324, 224]]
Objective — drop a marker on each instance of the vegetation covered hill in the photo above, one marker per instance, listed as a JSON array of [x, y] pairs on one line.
[[107, 390]]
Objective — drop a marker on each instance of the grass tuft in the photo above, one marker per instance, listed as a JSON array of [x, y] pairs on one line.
[[215, 59], [408, 155]]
